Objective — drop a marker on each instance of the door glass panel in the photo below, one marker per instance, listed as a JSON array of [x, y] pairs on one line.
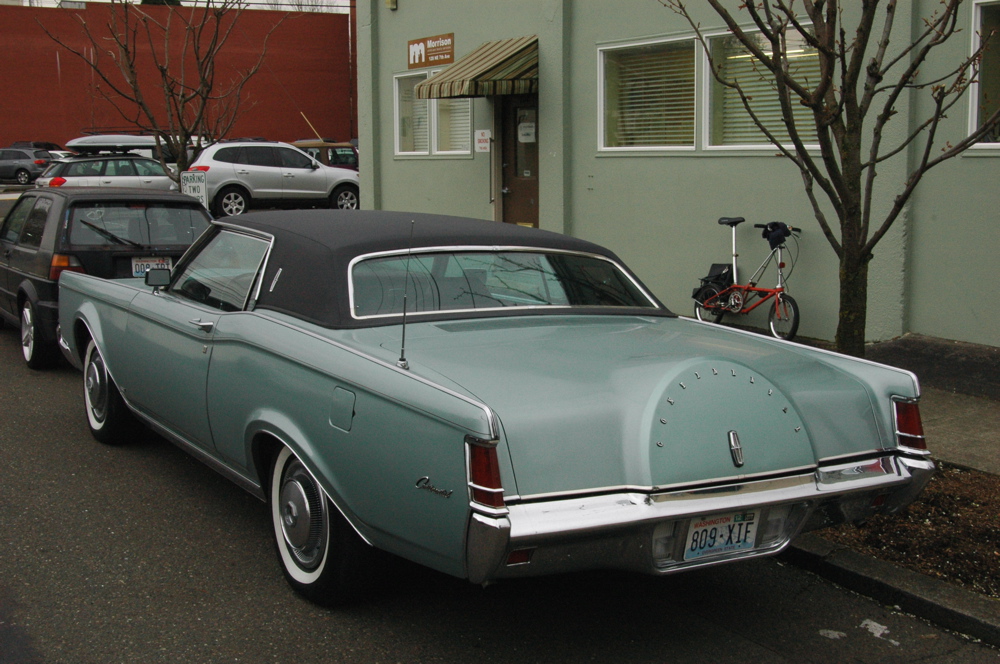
[[527, 142], [222, 274]]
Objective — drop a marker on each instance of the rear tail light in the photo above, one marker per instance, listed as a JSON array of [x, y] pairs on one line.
[[63, 263], [203, 169], [484, 473], [41, 162], [57, 182], [909, 428]]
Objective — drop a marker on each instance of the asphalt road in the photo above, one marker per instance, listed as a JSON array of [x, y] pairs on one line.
[[140, 554]]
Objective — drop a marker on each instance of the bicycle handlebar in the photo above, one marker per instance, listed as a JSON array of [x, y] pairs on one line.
[[791, 228]]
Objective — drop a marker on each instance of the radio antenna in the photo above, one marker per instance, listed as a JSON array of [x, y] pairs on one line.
[[401, 362]]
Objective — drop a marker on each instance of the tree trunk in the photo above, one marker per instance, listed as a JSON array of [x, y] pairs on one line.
[[850, 337]]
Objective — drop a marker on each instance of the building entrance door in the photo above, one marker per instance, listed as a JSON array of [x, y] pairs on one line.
[[519, 159]]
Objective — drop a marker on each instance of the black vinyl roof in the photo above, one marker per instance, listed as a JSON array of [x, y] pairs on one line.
[[314, 249]]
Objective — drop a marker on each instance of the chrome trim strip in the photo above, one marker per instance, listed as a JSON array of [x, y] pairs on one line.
[[451, 249], [715, 484]]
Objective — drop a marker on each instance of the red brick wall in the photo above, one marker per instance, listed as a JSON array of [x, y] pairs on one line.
[[49, 94]]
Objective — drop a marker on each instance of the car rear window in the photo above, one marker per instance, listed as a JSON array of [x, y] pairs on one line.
[[476, 280], [130, 224]]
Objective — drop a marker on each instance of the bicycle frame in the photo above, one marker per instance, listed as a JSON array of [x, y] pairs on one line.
[[749, 290]]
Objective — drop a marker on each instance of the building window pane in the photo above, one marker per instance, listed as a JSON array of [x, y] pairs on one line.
[[453, 126], [730, 122], [989, 70], [412, 130], [649, 95]]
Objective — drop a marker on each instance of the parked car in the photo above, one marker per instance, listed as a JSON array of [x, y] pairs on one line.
[[487, 400], [103, 232], [36, 145], [23, 164], [251, 173], [330, 153], [116, 169]]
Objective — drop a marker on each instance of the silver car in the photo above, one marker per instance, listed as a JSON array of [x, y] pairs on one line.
[[107, 170], [245, 174]]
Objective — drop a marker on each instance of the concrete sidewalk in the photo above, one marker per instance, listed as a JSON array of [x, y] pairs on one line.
[[960, 409]]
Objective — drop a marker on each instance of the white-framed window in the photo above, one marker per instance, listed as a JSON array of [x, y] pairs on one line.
[[430, 126], [648, 95], [660, 95], [729, 124], [985, 91]]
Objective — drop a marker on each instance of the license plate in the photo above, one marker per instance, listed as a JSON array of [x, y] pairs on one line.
[[721, 533], [141, 265]]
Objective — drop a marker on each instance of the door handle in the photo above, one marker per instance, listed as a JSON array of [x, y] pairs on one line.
[[204, 326]]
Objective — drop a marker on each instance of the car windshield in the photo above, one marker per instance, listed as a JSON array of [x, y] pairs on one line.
[[478, 280], [136, 224]]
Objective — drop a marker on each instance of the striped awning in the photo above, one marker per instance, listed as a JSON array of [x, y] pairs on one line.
[[503, 67]]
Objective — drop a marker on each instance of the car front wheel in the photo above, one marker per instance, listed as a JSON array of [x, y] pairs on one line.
[[23, 176], [344, 197], [231, 201], [108, 417], [321, 556]]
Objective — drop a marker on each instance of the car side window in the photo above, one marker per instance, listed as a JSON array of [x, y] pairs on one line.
[[293, 159], [259, 155], [121, 167], [83, 169], [8, 155], [228, 155], [34, 227], [146, 167], [17, 216], [222, 273]]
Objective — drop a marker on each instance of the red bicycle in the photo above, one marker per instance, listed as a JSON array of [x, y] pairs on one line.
[[721, 293]]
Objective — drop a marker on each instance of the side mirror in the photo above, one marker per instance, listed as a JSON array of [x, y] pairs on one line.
[[157, 277]]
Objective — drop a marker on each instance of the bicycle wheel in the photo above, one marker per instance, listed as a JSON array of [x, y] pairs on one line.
[[710, 313], [783, 317]]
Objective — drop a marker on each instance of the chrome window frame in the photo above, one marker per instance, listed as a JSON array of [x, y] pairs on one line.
[[456, 249]]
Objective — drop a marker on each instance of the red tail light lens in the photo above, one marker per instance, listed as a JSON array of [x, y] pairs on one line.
[[57, 182], [909, 428], [62, 263], [484, 473], [204, 169], [41, 162]]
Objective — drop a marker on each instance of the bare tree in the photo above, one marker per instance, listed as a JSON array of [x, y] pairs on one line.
[[848, 107], [184, 103]]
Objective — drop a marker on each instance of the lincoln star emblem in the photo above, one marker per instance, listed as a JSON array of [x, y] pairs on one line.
[[735, 449]]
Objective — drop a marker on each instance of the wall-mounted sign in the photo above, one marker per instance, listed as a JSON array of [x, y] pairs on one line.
[[483, 137], [431, 51], [526, 132]]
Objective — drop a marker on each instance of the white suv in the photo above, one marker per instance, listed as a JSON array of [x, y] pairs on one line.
[[245, 174]]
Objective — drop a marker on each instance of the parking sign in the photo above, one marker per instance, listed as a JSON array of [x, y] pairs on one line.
[[193, 184]]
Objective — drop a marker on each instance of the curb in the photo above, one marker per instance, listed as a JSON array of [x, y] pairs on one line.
[[942, 603]]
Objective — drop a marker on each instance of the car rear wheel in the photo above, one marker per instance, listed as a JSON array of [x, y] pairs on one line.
[[231, 201], [321, 556], [22, 176], [108, 417], [344, 197], [37, 353]]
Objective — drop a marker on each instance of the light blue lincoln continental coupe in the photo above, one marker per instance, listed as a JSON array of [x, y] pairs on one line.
[[486, 400]]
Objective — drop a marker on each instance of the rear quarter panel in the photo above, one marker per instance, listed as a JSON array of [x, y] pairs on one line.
[[367, 431]]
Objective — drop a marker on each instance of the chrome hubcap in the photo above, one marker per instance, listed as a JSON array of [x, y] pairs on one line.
[[302, 511], [95, 384]]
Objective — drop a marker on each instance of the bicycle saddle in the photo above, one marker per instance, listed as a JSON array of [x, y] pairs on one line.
[[732, 222]]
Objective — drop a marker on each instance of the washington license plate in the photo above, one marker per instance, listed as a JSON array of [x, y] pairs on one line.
[[141, 265], [721, 533]]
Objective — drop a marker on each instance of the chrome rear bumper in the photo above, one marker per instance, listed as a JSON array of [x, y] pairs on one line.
[[646, 532]]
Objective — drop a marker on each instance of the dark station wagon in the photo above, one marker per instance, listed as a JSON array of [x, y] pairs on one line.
[[107, 232]]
